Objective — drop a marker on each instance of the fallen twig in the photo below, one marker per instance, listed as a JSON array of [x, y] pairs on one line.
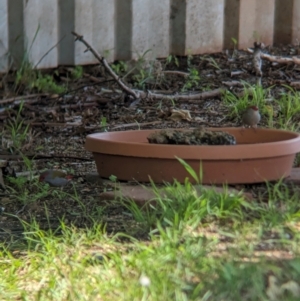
[[257, 55], [185, 74], [93, 78], [295, 84], [104, 62], [127, 125], [40, 156], [232, 83], [55, 124], [76, 106], [278, 59], [141, 94], [24, 98], [203, 95]]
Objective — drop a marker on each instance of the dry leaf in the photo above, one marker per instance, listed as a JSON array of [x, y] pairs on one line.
[[199, 119], [292, 287], [273, 291], [6, 200], [178, 115]]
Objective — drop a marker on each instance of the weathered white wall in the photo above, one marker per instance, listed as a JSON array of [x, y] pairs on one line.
[[41, 31], [256, 22], [125, 29], [150, 28], [4, 42], [295, 28], [204, 26], [95, 19]]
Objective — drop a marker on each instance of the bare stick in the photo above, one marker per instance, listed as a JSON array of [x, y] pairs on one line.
[[257, 61], [104, 62], [141, 94], [184, 74], [21, 98], [278, 59], [191, 97]]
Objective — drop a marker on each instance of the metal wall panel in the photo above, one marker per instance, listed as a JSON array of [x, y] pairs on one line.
[[126, 29]]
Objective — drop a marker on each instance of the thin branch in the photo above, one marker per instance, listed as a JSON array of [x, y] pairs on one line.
[[104, 62], [41, 156], [184, 74], [22, 98], [135, 124], [278, 59], [141, 94], [190, 98], [257, 61]]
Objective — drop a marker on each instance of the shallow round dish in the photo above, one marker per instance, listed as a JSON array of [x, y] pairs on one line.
[[260, 155]]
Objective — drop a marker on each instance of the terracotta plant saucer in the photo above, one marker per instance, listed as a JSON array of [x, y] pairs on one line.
[[260, 155]]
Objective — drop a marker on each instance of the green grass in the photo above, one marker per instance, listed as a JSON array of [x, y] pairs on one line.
[[289, 109], [187, 243], [252, 95], [192, 80], [197, 244], [16, 131], [30, 79], [280, 111]]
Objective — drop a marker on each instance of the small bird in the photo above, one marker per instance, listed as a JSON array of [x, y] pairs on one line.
[[251, 117], [55, 178]]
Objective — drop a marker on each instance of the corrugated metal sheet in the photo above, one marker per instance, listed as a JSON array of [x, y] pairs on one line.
[[125, 29]]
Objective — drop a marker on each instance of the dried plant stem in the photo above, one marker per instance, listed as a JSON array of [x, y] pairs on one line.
[[104, 62], [278, 59], [257, 60], [142, 94]]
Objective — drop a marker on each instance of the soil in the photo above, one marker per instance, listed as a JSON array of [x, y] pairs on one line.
[[198, 136], [58, 124]]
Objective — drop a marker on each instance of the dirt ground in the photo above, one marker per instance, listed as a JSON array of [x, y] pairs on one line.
[[59, 123]]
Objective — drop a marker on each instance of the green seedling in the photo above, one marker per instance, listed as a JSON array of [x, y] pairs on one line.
[[192, 80], [172, 58], [77, 72], [138, 125], [18, 131], [141, 78], [212, 62], [119, 68], [235, 43], [28, 77], [46, 83], [173, 103], [160, 103], [143, 71], [113, 178], [189, 59], [25, 72], [103, 124]]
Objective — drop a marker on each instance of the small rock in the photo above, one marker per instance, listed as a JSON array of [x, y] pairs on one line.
[[141, 195], [94, 178], [294, 177]]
